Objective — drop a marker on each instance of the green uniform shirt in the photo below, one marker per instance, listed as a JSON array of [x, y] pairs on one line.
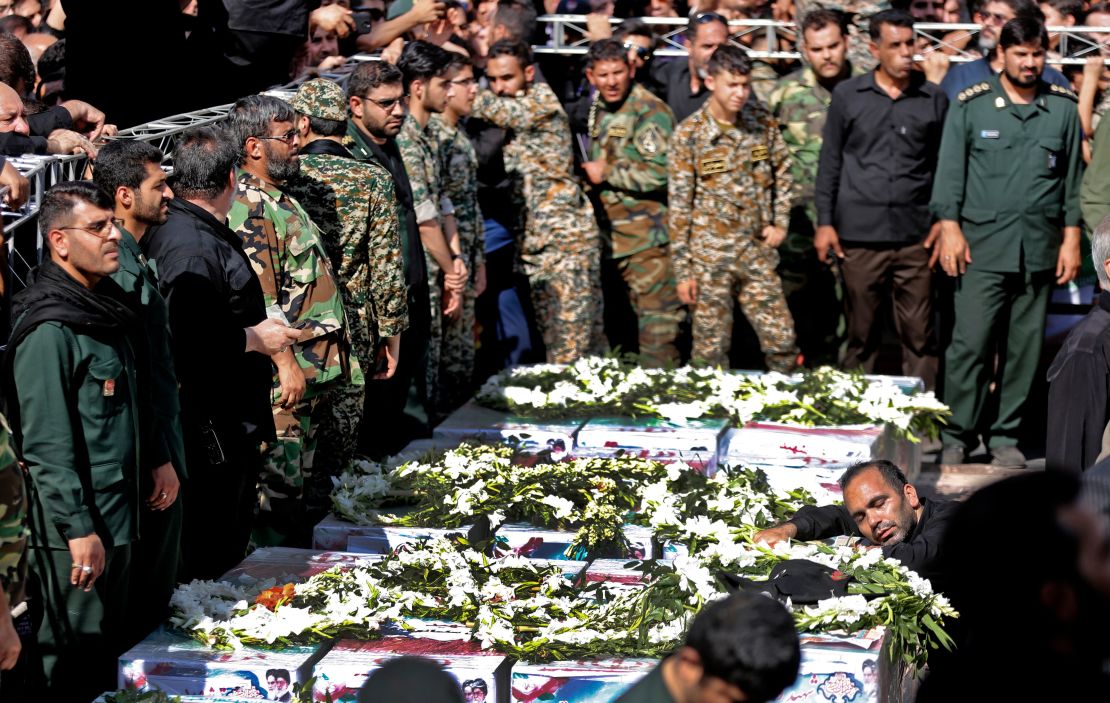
[[78, 421], [650, 689], [14, 530], [632, 140], [137, 276], [1010, 175]]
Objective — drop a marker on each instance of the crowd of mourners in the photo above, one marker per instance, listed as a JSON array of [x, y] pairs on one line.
[[212, 334]]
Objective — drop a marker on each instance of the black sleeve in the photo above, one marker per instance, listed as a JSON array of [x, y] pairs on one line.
[[12, 144], [921, 553], [1076, 413], [830, 163], [44, 123], [823, 521]]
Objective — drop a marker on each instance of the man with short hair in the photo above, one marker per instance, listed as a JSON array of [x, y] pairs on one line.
[[857, 14], [513, 21], [289, 258], [1007, 234], [881, 506], [684, 81], [459, 168], [628, 132], [739, 648], [1079, 378], [991, 16], [74, 401], [729, 196], [352, 203], [873, 185], [216, 311], [131, 172], [800, 103], [376, 98], [424, 67], [559, 251]]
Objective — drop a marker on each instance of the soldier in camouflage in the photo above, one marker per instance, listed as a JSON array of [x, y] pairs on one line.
[[353, 205], [288, 256], [800, 104], [858, 14], [560, 249], [14, 532], [629, 129], [730, 193], [424, 67], [459, 169]]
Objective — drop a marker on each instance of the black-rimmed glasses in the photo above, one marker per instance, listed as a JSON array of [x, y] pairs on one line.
[[288, 137], [388, 103]]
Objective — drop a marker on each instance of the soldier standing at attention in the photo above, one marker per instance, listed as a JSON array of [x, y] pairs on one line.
[[288, 256], [353, 205], [729, 193], [1007, 197], [560, 249], [800, 103], [424, 67], [629, 129], [459, 168]]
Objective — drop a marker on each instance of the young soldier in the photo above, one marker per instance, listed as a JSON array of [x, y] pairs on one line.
[[628, 130], [729, 193]]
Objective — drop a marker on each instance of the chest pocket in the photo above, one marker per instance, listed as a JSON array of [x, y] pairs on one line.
[[106, 388], [1051, 155], [993, 154], [306, 259]]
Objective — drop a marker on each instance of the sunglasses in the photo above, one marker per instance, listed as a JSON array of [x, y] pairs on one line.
[[388, 103], [707, 17], [288, 137], [643, 52]]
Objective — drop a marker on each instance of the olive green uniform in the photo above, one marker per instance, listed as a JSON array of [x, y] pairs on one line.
[[1010, 175]]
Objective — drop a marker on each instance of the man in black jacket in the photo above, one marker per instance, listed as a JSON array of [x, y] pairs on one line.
[[51, 132], [222, 340], [883, 508]]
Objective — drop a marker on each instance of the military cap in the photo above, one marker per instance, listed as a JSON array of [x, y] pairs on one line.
[[321, 98]]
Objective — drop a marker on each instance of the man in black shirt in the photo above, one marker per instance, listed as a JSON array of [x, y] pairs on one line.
[[883, 508], [222, 341], [874, 180], [684, 81]]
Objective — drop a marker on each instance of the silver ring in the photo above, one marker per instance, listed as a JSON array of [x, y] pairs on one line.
[[162, 494], [86, 569]]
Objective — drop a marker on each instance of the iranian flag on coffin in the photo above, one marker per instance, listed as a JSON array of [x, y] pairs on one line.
[[179, 665], [855, 669], [473, 421], [704, 462], [692, 435], [586, 681], [344, 670], [622, 571], [289, 564]]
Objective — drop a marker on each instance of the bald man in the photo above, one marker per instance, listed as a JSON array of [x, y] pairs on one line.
[[49, 132]]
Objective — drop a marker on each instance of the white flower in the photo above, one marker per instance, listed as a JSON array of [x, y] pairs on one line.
[[564, 509]]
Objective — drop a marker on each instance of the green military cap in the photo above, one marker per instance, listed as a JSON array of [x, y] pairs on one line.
[[321, 98], [398, 8]]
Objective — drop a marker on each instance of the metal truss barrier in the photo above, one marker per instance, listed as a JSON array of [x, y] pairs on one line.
[[772, 39]]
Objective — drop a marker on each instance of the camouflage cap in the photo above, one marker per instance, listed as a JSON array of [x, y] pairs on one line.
[[321, 98]]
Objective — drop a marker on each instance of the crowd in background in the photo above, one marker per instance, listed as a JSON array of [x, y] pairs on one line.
[[335, 267]]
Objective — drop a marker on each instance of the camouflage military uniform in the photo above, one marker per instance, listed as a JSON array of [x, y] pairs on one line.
[[859, 14], [559, 252], [725, 186], [14, 529], [800, 104], [430, 202], [352, 204], [288, 256], [633, 142], [459, 169]]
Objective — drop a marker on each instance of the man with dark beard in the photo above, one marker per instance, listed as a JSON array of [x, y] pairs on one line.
[[288, 256], [884, 509]]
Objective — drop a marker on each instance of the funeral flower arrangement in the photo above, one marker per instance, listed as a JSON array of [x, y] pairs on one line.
[[533, 611], [595, 497], [823, 397]]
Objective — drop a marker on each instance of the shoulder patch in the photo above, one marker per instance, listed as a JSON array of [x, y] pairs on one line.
[[974, 91], [1062, 91], [650, 140]]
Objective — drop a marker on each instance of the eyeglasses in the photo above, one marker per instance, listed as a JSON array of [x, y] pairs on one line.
[[388, 103], [994, 18], [288, 137], [464, 82], [101, 228], [642, 51]]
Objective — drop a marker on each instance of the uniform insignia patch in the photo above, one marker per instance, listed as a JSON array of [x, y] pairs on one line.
[[1000, 102], [649, 140], [711, 166], [617, 131], [760, 153], [989, 134]]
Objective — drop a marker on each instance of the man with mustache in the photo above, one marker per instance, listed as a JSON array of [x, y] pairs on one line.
[[874, 178], [800, 103], [1007, 197], [288, 256], [884, 509]]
